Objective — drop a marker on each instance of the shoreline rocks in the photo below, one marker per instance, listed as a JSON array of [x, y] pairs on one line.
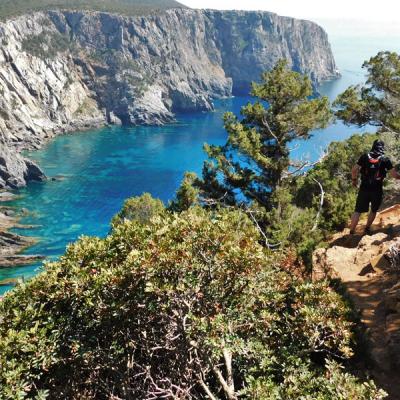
[[19, 260], [16, 171], [12, 244]]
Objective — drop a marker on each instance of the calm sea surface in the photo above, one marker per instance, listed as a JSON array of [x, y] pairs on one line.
[[100, 169]]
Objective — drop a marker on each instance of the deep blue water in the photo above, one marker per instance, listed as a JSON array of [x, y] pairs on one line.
[[100, 169]]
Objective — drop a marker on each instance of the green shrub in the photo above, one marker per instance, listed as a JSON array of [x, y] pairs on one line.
[[178, 306], [140, 209]]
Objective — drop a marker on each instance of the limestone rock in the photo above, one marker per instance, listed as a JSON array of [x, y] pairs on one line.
[[15, 170]]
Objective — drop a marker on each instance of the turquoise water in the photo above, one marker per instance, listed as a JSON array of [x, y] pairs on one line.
[[97, 170]]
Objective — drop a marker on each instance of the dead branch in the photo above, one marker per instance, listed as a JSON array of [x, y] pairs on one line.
[[267, 244], [228, 364], [266, 125], [321, 204], [207, 389], [230, 394], [301, 165]]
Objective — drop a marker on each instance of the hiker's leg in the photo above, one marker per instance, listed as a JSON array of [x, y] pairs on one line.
[[371, 218], [362, 205], [354, 221], [376, 201]]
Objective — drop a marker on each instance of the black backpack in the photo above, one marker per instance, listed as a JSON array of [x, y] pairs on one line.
[[372, 172]]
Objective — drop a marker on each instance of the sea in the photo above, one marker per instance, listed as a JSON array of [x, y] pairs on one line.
[[95, 171]]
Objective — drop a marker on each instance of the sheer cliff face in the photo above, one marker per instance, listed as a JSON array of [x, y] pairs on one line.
[[62, 71], [252, 42]]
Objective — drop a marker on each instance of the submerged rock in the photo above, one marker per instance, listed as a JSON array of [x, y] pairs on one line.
[[19, 260]]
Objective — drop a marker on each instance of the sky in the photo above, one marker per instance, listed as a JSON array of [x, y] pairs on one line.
[[376, 17]]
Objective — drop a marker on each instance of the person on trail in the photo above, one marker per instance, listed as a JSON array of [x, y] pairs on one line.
[[373, 167]]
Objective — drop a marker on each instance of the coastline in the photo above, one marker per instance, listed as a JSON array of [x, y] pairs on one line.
[[12, 244]]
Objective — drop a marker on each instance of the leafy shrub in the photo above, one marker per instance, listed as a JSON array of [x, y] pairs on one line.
[[180, 306], [302, 382], [140, 209]]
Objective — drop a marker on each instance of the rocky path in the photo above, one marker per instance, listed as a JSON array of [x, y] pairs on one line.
[[368, 268]]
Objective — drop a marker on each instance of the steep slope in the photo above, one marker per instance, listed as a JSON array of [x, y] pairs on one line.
[[369, 267], [68, 70]]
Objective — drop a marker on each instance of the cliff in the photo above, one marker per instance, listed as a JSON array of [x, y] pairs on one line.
[[69, 70]]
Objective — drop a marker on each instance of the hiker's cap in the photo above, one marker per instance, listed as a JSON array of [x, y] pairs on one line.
[[378, 148]]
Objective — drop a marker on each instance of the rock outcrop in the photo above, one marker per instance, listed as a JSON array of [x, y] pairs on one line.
[[62, 71], [369, 267], [12, 244], [15, 170]]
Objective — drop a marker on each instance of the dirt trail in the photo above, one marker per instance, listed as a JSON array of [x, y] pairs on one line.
[[366, 266]]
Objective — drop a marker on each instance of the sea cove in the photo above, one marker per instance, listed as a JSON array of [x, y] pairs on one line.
[[92, 173]]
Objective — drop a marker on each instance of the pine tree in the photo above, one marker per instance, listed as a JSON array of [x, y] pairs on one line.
[[255, 158], [377, 102]]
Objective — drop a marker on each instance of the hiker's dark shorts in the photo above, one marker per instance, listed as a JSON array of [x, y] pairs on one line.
[[364, 199]]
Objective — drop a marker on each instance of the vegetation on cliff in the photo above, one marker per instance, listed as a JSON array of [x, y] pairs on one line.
[[12, 8], [181, 305], [253, 170], [208, 298], [252, 164]]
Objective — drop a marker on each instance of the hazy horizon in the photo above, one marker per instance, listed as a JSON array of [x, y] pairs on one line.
[[359, 18]]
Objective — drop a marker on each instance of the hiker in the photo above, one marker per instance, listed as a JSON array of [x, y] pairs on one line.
[[373, 167]]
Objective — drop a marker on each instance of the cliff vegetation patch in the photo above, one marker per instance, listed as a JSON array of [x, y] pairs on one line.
[[47, 45], [11, 8]]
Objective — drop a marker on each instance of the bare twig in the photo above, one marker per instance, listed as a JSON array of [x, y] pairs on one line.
[[321, 204], [266, 125], [301, 165], [267, 244], [228, 364], [207, 389]]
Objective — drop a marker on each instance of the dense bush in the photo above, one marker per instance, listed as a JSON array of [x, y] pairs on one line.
[[181, 306]]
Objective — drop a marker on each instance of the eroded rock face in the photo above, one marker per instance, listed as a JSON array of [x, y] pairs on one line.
[[66, 71], [252, 42], [15, 170]]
